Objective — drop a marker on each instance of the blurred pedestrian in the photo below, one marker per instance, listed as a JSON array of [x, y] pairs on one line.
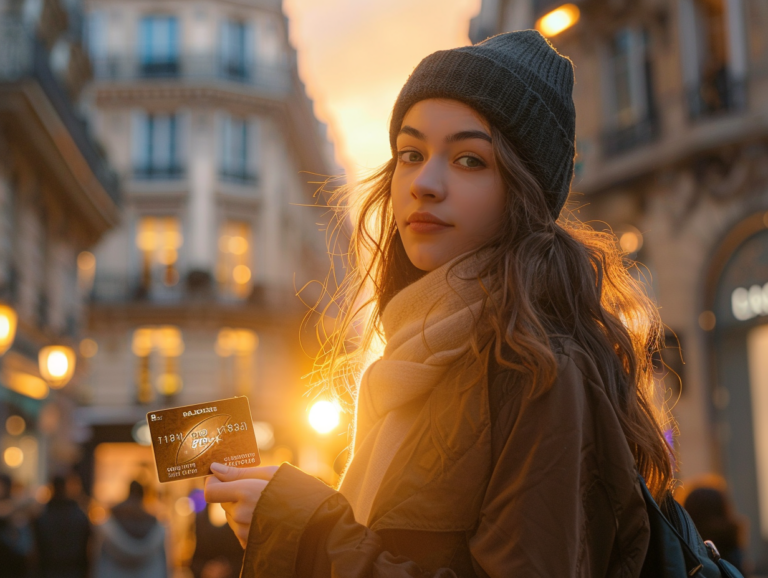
[[713, 514], [132, 541], [62, 533], [218, 554], [15, 534]]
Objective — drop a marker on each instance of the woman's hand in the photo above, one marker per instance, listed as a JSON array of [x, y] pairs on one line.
[[238, 491]]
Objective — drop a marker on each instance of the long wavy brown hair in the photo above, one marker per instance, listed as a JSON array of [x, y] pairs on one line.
[[555, 277]]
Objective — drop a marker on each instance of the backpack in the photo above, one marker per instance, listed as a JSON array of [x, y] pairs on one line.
[[676, 549]]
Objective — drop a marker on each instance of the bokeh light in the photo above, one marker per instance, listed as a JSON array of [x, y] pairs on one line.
[[141, 434], [57, 364], [558, 20], [88, 348], [184, 506], [13, 456], [324, 416], [265, 434], [216, 515], [241, 274], [15, 425]]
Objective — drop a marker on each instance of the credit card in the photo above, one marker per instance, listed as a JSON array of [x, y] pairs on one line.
[[187, 440]]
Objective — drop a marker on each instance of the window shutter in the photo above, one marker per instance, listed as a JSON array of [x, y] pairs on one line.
[[608, 86], [224, 42], [637, 79], [173, 38], [161, 137], [249, 42], [252, 147], [225, 143], [183, 121], [139, 139], [738, 59], [145, 39], [96, 35], [689, 49]]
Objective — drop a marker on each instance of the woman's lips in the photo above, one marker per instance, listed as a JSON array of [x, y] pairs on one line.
[[426, 227], [423, 222]]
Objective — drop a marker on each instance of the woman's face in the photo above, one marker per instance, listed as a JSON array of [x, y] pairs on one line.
[[447, 192]]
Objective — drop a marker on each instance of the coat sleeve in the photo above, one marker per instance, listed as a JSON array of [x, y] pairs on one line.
[[303, 527], [533, 521]]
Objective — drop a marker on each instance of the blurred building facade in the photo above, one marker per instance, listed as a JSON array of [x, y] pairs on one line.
[[672, 153], [202, 112], [58, 196]]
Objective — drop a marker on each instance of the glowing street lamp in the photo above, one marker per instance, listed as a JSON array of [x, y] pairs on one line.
[[57, 365], [8, 320], [324, 416], [557, 20]]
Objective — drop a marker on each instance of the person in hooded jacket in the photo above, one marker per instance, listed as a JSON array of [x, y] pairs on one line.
[[502, 430], [132, 541]]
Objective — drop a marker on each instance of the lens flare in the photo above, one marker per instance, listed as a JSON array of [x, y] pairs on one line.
[[324, 416]]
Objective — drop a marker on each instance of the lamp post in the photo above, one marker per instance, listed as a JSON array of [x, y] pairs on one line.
[[8, 320], [57, 365]]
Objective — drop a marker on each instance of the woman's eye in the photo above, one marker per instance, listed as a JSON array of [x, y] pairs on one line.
[[470, 162], [410, 156]]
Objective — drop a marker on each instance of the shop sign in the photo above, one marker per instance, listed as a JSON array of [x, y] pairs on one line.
[[749, 303]]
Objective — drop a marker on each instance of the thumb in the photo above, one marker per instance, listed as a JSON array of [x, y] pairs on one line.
[[227, 473]]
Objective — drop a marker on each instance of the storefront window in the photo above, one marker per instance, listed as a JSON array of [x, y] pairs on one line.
[[757, 351]]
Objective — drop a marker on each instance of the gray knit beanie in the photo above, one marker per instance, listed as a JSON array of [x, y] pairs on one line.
[[520, 83]]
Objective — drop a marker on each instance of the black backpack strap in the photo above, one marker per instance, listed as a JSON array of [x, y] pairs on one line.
[[676, 549]]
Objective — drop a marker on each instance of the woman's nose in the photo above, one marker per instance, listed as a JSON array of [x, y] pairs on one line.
[[429, 182]]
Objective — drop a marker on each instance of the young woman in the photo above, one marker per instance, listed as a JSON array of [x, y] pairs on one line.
[[502, 430]]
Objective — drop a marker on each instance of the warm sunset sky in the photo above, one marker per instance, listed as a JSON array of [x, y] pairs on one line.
[[355, 55]]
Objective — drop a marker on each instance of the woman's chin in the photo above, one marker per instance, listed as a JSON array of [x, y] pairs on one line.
[[429, 259]]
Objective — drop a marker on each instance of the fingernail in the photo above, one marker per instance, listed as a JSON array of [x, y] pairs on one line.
[[219, 468]]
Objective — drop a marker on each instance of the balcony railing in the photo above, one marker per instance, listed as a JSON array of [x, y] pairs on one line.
[[23, 56], [120, 289], [196, 68], [242, 177], [159, 172], [716, 93], [617, 141]]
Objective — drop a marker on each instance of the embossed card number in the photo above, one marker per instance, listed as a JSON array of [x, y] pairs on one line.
[[187, 440]]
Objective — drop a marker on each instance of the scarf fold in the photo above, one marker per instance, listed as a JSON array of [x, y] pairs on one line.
[[394, 388]]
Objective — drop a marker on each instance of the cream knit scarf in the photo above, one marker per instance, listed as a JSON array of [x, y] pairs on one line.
[[394, 388]]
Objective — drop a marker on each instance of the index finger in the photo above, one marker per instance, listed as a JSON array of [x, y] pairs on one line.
[[227, 473], [216, 491], [234, 491]]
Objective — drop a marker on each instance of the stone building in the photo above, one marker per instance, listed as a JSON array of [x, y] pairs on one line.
[[58, 196], [202, 113], [672, 153]]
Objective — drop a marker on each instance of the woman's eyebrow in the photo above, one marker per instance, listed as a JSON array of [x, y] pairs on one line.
[[463, 135], [414, 132], [466, 135]]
